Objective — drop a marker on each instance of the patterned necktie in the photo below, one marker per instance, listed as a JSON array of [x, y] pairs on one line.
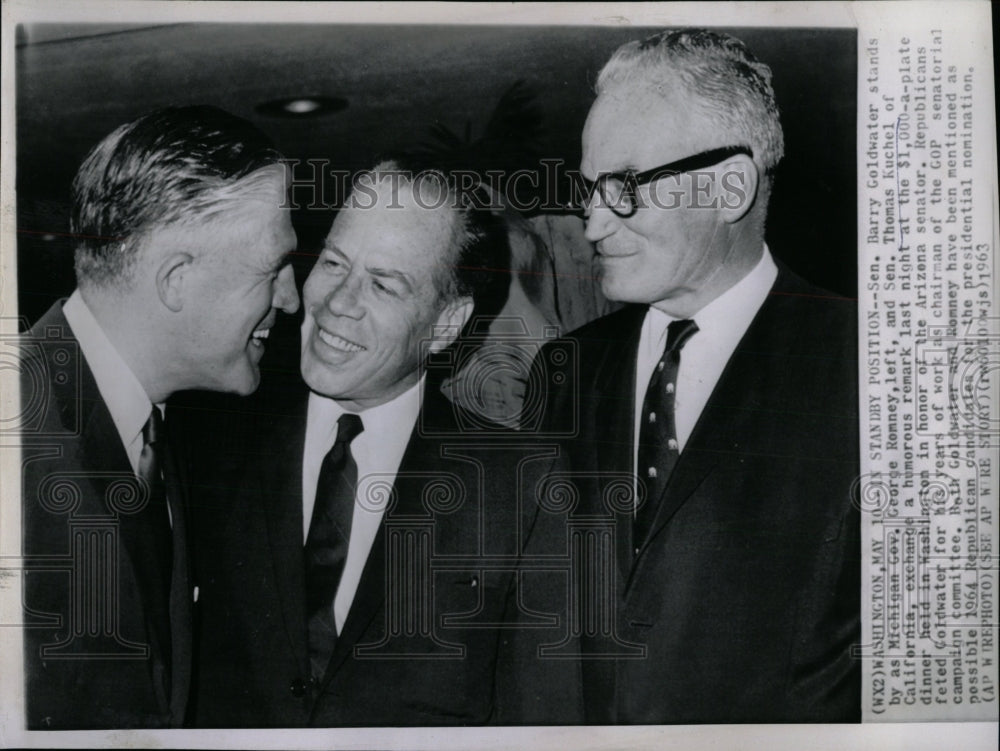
[[326, 545], [658, 447]]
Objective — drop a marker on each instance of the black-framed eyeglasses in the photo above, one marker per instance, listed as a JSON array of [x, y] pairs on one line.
[[618, 188]]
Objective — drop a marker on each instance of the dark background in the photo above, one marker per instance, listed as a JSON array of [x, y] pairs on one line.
[[76, 83]]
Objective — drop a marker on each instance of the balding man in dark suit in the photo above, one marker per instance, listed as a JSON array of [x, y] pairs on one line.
[[357, 531], [727, 586]]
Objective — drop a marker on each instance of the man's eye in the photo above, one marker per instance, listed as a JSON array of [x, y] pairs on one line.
[[384, 289], [332, 262]]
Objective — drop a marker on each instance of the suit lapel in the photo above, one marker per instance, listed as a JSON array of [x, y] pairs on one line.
[[369, 600], [181, 618], [421, 455], [102, 447], [82, 409], [180, 595], [709, 440], [611, 435], [694, 465], [104, 458], [280, 492], [614, 413]]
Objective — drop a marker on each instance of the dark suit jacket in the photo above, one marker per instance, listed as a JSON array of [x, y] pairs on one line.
[[743, 604], [455, 502], [99, 652]]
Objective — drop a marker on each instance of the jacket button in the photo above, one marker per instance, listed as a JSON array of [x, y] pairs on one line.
[[298, 688]]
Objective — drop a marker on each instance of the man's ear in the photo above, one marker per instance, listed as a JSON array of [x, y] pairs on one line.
[[739, 181], [171, 276], [450, 322]]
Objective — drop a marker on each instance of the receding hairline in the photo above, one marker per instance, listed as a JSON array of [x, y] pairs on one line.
[[719, 75], [397, 190]]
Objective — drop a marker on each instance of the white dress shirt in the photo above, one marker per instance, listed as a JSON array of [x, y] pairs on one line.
[[121, 391], [721, 325], [378, 451]]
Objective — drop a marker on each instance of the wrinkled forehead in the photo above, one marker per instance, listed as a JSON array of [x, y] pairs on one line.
[[639, 126], [392, 218]]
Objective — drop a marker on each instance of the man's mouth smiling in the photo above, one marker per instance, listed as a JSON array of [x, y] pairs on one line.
[[258, 337], [604, 253], [338, 343]]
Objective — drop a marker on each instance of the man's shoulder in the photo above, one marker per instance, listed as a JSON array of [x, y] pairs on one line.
[[447, 435], [793, 293], [57, 388], [609, 327], [584, 343], [803, 345], [49, 349], [442, 418], [52, 323]]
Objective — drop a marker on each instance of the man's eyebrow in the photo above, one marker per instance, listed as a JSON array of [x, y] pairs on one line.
[[332, 248], [629, 167], [391, 274]]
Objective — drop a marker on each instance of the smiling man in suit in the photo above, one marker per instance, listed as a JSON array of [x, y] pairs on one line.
[[728, 386], [181, 266], [345, 519]]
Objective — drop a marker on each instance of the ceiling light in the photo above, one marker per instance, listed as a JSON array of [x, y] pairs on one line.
[[301, 106]]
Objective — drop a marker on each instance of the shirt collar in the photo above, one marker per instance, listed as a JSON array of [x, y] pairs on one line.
[[389, 418], [121, 391], [726, 313]]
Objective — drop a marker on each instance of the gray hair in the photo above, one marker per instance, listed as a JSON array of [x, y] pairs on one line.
[[732, 87], [178, 164]]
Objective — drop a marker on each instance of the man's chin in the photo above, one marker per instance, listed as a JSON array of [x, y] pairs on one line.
[[614, 289], [247, 382], [251, 385], [317, 376]]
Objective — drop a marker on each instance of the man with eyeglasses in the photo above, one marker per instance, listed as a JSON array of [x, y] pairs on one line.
[[728, 590]]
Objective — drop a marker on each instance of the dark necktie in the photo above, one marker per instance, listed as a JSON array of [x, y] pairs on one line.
[[658, 448], [153, 554], [327, 542]]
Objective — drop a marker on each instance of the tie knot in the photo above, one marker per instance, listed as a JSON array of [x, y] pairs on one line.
[[678, 332], [348, 427], [152, 431]]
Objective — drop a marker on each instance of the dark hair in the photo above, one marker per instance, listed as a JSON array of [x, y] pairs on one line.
[[171, 165], [481, 269]]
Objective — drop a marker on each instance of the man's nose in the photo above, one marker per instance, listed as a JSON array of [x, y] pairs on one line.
[[601, 221], [285, 296], [343, 299]]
